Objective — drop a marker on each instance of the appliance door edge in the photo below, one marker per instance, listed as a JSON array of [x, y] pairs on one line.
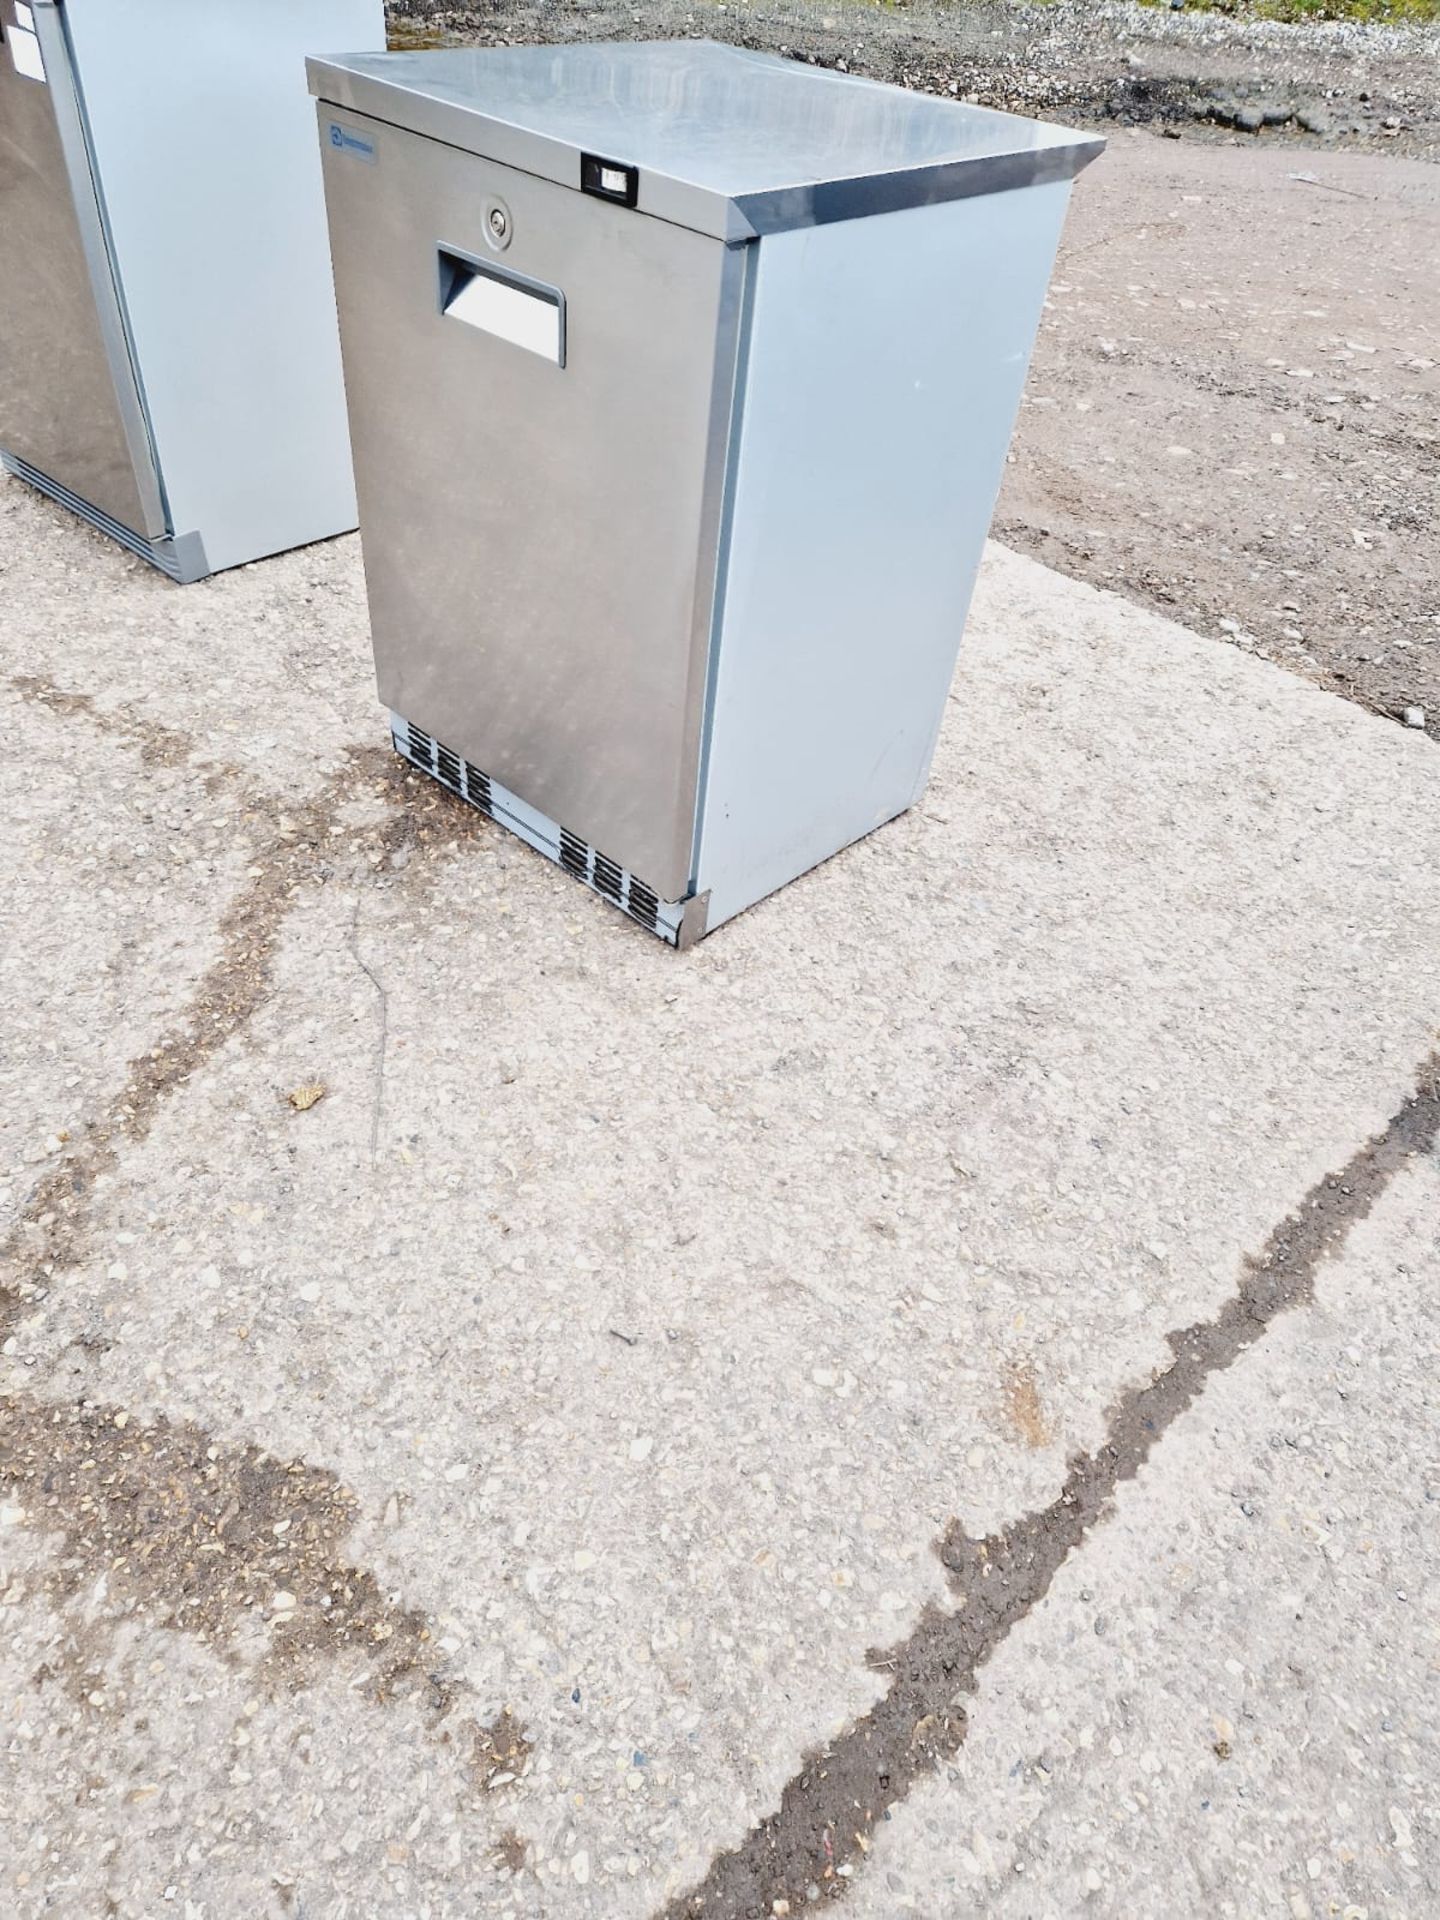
[[732, 350], [85, 190]]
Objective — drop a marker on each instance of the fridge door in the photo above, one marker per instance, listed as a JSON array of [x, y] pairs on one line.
[[70, 409], [540, 386]]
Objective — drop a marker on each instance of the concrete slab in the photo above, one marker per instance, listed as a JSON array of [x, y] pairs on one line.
[[476, 1491]]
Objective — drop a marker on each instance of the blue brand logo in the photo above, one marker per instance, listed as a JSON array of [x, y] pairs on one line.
[[345, 141]]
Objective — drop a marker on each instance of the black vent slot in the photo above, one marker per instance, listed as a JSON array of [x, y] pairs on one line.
[[643, 904], [477, 789], [607, 878], [422, 746], [447, 766], [574, 854]]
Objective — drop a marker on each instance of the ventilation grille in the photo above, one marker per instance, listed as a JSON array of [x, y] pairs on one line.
[[596, 869], [159, 553], [643, 904], [477, 789]]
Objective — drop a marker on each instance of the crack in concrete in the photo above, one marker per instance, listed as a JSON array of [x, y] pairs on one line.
[[157, 744], [200, 1536], [52, 1230], [377, 1101], [820, 1833]]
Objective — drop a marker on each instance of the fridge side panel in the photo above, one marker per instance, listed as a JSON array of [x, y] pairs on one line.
[[210, 179], [886, 361], [70, 415]]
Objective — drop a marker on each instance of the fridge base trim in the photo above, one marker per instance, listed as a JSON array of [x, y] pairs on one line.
[[181, 556], [679, 923]]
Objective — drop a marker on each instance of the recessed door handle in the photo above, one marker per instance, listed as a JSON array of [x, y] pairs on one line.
[[512, 307]]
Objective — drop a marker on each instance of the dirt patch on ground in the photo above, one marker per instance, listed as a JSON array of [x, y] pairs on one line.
[[214, 1541], [1232, 412], [201, 1537], [500, 1752], [206, 1538], [1023, 1407]]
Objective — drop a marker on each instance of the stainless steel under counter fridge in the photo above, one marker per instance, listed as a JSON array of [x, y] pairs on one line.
[[680, 384], [169, 367]]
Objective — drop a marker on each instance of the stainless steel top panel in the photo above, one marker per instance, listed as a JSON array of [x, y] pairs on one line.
[[727, 142]]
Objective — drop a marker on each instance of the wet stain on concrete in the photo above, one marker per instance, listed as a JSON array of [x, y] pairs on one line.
[[820, 1832]]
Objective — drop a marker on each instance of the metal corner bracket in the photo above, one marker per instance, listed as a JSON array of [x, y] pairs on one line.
[[694, 921]]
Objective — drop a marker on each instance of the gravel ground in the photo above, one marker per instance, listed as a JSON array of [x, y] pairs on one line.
[[1232, 410], [1120, 63], [1228, 422]]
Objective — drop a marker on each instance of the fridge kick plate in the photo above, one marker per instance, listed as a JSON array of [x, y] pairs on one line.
[[680, 923], [182, 556]]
